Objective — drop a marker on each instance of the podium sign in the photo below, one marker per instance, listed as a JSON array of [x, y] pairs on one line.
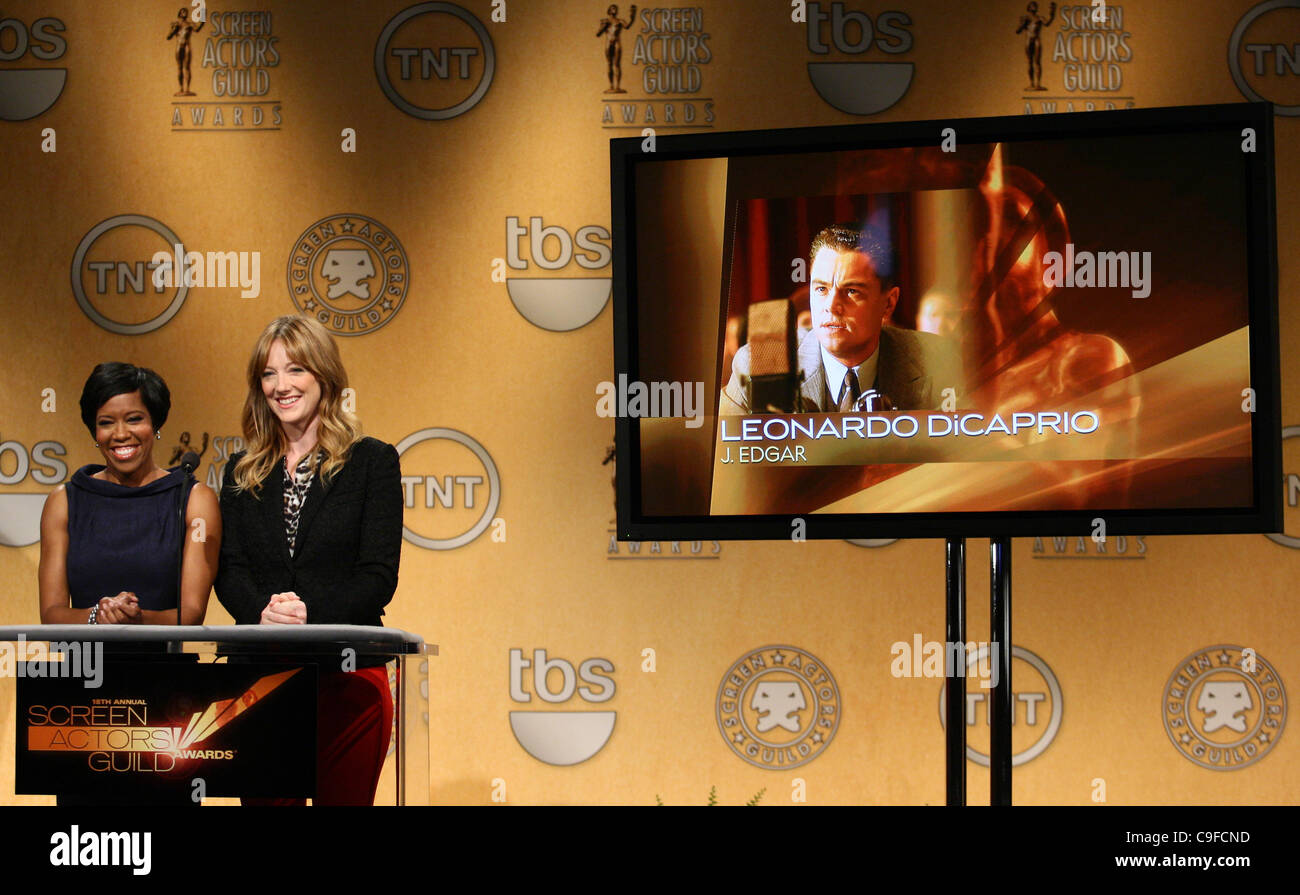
[[166, 729]]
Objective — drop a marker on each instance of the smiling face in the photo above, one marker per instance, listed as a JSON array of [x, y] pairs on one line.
[[292, 392], [125, 435], [848, 304]]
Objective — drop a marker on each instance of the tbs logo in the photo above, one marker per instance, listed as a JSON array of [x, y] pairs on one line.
[[859, 88], [559, 304], [28, 92], [561, 738], [20, 511]]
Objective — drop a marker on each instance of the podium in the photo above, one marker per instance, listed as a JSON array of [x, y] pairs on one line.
[[180, 713]]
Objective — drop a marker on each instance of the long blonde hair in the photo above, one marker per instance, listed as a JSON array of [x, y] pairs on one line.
[[308, 343]]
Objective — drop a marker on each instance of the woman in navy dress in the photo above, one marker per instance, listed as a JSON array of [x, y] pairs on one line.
[[109, 537]]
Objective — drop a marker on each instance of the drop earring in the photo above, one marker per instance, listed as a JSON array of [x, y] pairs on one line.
[[158, 435]]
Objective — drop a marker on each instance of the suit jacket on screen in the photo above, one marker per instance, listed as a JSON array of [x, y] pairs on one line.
[[344, 565], [913, 369]]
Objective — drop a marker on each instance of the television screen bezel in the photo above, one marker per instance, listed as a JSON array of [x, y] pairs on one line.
[[1264, 516]]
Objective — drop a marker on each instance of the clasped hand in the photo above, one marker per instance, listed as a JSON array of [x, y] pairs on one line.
[[124, 609], [285, 609]]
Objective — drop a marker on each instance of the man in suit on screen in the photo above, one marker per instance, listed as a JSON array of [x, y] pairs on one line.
[[851, 361]]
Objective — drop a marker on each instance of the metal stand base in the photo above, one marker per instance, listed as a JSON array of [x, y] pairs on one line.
[[1001, 707]]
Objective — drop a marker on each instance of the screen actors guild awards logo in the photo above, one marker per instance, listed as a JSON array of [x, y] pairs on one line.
[[668, 52], [239, 49], [1224, 707], [1090, 46], [350, 273], [778, 707]]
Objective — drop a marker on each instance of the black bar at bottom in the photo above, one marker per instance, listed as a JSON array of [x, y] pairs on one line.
[[1001, 707], [955, 723]]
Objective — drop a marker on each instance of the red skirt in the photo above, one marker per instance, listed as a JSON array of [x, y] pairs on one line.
[[354, 725]]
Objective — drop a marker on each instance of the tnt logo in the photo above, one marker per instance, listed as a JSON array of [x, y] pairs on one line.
[[859, 88], [450, 488], [112, 275], [1264, 56], [558, 304], [1036, 708], [435, 65], [20, 512], [434, 61], [28, 92], [561, 737]]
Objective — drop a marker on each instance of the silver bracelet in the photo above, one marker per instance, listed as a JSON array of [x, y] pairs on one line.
[[94, 613]]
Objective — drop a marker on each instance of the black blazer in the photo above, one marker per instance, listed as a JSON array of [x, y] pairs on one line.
[[344, 565]]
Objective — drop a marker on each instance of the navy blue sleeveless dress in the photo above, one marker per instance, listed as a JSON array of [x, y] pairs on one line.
[[125, 539], [122, 538]]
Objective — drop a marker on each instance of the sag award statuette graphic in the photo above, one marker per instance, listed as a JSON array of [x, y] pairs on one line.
[[236, 53], [668, 55], [1032, 25], [778, 707], [350, 273], [1224, 707], [183, 29], [612, 28]]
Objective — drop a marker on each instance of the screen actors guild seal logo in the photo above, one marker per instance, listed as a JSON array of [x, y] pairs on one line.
[[1224, 707], [778, 707], [349, 273]]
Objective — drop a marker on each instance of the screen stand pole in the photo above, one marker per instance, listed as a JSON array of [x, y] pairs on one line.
[[955, 705], [1001, 707]]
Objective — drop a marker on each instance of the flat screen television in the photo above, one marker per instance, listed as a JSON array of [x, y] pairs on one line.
[[976, 327]]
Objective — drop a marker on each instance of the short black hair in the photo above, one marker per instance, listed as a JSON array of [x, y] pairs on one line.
[[871, 241], [109, 380]]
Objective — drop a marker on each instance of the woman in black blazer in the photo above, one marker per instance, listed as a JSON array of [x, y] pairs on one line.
[[312, 513]]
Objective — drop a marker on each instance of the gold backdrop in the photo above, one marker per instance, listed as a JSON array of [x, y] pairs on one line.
[[457, 354]]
